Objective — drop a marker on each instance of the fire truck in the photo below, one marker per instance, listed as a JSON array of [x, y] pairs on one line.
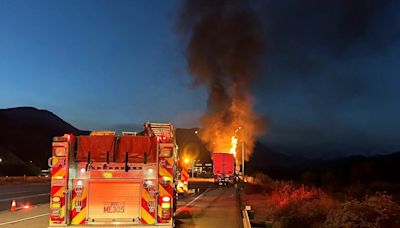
[[103, 179]]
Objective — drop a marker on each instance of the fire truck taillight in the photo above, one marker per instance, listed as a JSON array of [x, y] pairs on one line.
[[166, 207], [55, 202], [166, 199]]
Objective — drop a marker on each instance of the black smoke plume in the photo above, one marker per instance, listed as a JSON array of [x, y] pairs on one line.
[[223, 49]]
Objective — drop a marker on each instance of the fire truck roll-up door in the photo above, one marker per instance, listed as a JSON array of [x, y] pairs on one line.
[[114, 201]]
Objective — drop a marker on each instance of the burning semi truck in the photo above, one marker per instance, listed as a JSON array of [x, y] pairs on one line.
[[104, 179], [223, 168], [224, 164]]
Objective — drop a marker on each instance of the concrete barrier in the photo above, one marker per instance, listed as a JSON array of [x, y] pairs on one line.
[[23, 179]]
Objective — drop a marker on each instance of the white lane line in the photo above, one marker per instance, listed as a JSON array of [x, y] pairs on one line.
[[190, 203], [23, 219], [24, 197]]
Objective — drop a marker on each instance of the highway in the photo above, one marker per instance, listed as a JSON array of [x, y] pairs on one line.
[[214, 207], [22, 193]]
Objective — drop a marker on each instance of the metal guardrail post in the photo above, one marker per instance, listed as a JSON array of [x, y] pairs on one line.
[[246, 219]]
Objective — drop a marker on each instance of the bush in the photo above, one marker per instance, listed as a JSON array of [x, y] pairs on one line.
[[300, 207], [285, 193], [302, 214], [378, 210]]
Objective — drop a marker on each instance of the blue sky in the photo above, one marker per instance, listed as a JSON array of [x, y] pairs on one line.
[[95, 63], [329, 82]]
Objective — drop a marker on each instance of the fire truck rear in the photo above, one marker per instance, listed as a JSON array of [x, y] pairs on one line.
[[104, 179]]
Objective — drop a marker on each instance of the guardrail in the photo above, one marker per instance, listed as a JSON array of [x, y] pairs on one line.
[[23, 179], [246, 219], [204, 180]]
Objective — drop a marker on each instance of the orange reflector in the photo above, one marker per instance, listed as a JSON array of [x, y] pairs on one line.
[[165, 205]]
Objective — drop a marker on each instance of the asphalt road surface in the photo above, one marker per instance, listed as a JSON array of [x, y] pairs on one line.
[[215, 207], [23, 193]]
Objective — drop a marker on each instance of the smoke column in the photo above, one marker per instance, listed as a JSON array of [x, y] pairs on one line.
[[224, 44]]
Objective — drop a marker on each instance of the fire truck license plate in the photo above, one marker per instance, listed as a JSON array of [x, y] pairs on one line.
[[114, 207]]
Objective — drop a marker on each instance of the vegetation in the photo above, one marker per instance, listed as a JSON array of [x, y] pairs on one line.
[[290, 204]]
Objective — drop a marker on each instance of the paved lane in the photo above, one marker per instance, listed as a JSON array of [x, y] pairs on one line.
[[36, 217], [210, 208], [22, 193], [215, 208]]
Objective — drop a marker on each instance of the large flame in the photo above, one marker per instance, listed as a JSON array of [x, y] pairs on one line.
[[242, 126], [234, 141], [224, 47]]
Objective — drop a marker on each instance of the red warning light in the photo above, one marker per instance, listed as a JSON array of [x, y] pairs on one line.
[[69, 137], [26, 206], [163, 139]]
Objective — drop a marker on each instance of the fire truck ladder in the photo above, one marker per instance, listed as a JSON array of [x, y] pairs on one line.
[[161, 129]]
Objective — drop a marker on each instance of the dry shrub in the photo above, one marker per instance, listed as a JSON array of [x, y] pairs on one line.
[[374, 211], [285, 193], [300, 207]]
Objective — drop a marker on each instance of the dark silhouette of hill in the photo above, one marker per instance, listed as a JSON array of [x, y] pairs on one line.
[[339, 172], [26, 135], [263, 156], [27, 132]]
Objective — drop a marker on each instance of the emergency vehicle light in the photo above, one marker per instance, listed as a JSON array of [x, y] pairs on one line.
[[59, 151], [166, 199], [56, 199], [163, 139]]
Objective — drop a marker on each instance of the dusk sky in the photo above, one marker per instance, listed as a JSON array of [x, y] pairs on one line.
[[329, 84]]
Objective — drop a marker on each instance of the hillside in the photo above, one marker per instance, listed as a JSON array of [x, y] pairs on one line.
[[26, 134]]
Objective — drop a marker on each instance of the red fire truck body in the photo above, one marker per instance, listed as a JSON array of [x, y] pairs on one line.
[[104, 179]]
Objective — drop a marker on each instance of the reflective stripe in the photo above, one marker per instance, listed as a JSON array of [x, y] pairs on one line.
[[148, 217], [78, 214]]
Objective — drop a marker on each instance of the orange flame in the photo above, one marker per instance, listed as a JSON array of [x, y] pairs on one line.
[[240, 121], [234, 141]]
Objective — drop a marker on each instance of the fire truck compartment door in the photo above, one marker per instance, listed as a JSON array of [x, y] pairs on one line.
[[113, 201]]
